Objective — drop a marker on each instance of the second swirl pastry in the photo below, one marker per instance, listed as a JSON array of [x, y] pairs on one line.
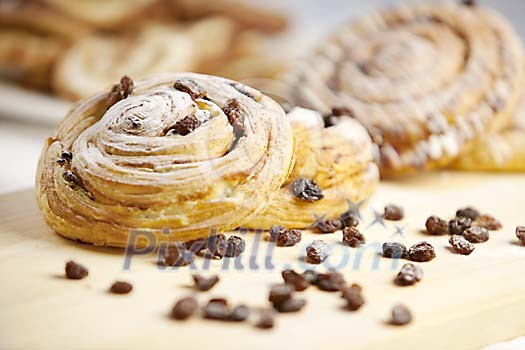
[[180, 156], [426, 80]]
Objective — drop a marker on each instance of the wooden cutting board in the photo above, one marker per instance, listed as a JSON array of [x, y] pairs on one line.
[[463, 302]]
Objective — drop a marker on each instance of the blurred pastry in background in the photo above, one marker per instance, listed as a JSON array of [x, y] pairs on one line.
[[499, 151], [427, 80], [76, 48]]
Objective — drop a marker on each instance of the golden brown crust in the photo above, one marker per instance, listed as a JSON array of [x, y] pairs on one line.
[[426, 80], [129, 175]]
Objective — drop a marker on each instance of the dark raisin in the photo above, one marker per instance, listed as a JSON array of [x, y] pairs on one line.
[[75, 271], [296, 280], [196, 245], [317, 252], [217, 310], [236, 246], [436, 226], [353, 296], [458, 225], [284, 237], [394, 250], [177, 255], [60, 160], [184, 308], [67, 156], [520, 233], [408, 275], [476, 234], [232, 110], [353, 237], [468, 212], [290, 305], [421, 252], [349, 219], [184, 126], [400, 315], [331, 281], [329, 226], [120, 91], [190, 87], [461, 245], [310, 276], [488, 222], [469, 3], [307, 190], [135, 121], [203, 283], [217, 245], [342, 111], [280, 293], [70, 177], [393, 212], [239, 313], [121, 287], [266, 320]]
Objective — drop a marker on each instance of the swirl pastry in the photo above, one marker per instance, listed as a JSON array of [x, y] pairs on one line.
[[338, 158], [196, 154], [499, 151], [182, 151], [426, 80]]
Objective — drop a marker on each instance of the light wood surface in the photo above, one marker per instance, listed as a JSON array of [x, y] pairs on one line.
[[463, 302]]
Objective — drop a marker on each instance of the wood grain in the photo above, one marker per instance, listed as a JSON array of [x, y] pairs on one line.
[[463, 302]]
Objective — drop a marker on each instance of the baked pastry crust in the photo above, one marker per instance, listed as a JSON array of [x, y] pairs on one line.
[[426, 80], [139, 164], [129, 175]]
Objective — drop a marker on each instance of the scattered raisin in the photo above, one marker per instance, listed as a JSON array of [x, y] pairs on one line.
[[266, 320], [394, 250], [329, 226], [421, 252], [353, 237], [331, 281], [298, 281], [121, 287], [239, 313], [290, 305], [67, 156], [342, 111], [458, 225], [468, 212], [353, 296], [217, 310], [285, 237], [488, 222], [217, 245], [120, 91], [203, 283], [520, 233], [75, 271], [476, 234], [196, 245], [436, 226], [461, 245], [349, 219], [469, 3], [184, 126], [190, 87], [317, 252], [236, 246], [184, 308], [409, 275], [330, 120], [393, 212], [307, 190], [280, 293], [177, 255], [400, 315]]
